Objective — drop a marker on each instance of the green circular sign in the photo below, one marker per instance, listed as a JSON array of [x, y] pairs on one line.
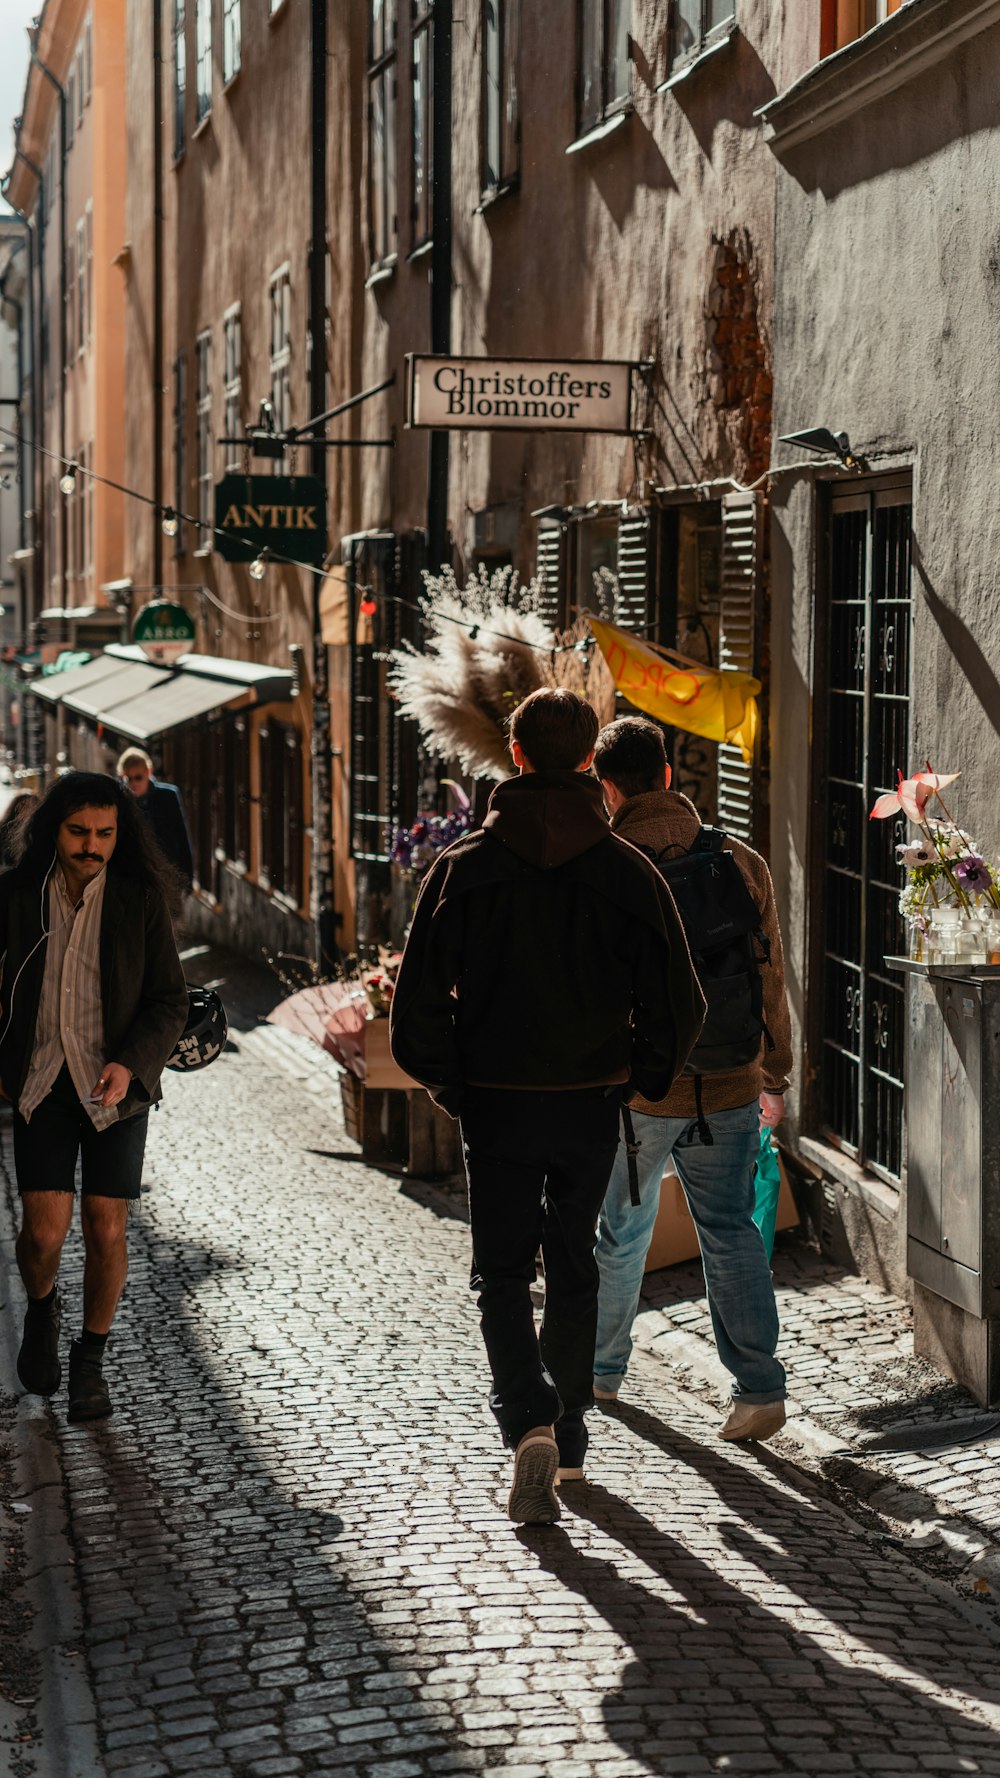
[[164, 630]]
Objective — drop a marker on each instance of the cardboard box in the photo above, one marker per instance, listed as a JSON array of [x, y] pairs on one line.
[[380, 1069], [674, 1239]]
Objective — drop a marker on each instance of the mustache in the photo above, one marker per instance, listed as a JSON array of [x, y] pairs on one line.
[[93, 857]]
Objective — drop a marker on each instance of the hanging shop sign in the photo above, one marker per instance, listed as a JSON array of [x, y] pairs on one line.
[[164, 631], [519, 394], [283, 514]]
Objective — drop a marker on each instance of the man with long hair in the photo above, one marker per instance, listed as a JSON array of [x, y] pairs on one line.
[[92, 1002]]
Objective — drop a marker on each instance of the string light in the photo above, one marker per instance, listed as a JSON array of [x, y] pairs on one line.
[[67, 481], [170, 524], [258, 567]]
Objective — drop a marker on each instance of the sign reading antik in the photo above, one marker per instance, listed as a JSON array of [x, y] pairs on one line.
[[532, 394], [285, 514]]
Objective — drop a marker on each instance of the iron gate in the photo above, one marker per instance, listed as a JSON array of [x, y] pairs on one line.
[[867, 738]]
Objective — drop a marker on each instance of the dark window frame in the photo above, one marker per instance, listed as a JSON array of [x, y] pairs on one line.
[[422, 121], [179, 66], [501, 26], [383, 216], [602, 16], [710, 31]]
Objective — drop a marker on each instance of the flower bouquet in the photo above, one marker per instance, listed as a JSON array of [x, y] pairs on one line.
[[379, 982], [951, 899], [416, 848]]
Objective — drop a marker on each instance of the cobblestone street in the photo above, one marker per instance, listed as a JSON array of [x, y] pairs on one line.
[[289, 1543]]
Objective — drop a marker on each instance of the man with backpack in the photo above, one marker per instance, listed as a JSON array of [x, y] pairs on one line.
[[545, 979], [709, 1123]]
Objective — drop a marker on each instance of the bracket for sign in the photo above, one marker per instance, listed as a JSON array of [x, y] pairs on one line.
[[264, 441]]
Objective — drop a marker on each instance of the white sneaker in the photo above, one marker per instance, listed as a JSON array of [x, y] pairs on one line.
[[532, 1495], [754, 1420]]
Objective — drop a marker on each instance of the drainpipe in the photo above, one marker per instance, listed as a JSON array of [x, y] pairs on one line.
[[321, 884], [437, 482], [157, 342], [30, 736], [63, 339]]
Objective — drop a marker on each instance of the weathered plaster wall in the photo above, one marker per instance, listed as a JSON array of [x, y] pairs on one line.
[[887, 324]]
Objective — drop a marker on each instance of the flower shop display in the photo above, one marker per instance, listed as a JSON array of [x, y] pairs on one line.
[[415, 848], [951, 898]]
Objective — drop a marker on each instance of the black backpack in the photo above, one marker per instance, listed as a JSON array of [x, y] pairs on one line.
[[722, 925]]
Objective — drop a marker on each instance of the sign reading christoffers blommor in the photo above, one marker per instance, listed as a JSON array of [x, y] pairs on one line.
[[164, 631], [526, 394], [284, 514]]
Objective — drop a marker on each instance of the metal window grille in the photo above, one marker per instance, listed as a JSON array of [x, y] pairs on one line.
[[867, 728], [232, 38], [180, 76], [382, 203], [603, 82], [203, 399], [232, 353], [501, 97], [280, 298], [422, 70], [203, 58]]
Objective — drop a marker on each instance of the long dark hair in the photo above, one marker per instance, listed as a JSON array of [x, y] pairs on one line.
[[136, 854], [13, 825]]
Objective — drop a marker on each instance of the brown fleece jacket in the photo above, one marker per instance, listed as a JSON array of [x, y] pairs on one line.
[[660, 818]]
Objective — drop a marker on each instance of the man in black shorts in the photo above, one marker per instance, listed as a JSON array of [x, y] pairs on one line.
[[93, 1001]]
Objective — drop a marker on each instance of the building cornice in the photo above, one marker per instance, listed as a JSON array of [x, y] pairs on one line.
[[916, 38]]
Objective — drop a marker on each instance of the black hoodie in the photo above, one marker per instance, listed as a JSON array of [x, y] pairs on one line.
[[545, 952]]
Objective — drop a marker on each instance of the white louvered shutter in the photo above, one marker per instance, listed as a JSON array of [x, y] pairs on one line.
[[632, 607], [738, 648], [550, 560]]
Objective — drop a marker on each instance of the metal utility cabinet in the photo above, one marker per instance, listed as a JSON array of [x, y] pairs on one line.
[[953, 1168]]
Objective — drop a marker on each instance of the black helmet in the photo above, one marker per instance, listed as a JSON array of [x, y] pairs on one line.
[[204, 1035]]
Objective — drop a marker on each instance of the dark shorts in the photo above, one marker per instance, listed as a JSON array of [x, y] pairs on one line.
[[60, 1131]]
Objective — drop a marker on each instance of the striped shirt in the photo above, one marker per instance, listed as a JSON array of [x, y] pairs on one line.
[[70, 1024]]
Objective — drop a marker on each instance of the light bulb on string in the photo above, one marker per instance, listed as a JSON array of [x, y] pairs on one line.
[[169, 524], [67, 481], [258, 567]]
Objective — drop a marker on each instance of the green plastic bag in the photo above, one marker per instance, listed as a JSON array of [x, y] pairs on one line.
[[768, 1188]]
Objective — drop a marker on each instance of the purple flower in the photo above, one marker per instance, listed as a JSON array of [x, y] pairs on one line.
[[973, 875]]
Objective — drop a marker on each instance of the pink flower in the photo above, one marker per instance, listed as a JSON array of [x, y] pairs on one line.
[[911, 795]]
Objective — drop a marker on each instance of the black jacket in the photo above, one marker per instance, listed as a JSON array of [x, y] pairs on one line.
[[164, 811], [544, 952], [142, 983]]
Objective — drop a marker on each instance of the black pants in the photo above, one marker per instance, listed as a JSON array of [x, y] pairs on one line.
[[538, 1167]]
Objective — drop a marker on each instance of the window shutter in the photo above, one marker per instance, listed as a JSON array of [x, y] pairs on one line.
[[550, 561], [737, 648], [632, 606]]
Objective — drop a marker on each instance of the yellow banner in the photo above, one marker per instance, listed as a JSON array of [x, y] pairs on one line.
[[720, 705]]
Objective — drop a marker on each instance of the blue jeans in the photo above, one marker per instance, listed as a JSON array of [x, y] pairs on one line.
[[718, 1184]]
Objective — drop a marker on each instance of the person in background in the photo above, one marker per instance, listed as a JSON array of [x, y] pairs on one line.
[[12, 827], [545, 979], [161, 804], [717, 1177], [93, 1000]]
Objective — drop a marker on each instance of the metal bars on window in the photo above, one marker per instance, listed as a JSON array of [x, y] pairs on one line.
[[867, 738]]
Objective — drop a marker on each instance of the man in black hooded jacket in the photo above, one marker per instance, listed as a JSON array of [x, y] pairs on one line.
[[546, 978]]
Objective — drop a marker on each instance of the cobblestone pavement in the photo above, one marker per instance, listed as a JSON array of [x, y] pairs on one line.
[[289, 1549]]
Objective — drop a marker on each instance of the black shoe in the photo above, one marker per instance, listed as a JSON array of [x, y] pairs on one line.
[[38, 1363], [88, 1392]]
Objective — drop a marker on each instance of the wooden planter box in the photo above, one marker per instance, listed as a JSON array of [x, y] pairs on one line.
[[395, 1121]]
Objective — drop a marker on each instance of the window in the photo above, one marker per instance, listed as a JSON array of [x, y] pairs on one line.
[[382, 219], [282, 825], [89, 232], [232, 368], [603, 60], [236, 777], [88, 515], [232, 32], [845, 20], [422, 29], [501, 112], [866, 729], [203, 408], [70, 103], [80, 84], [281, 348], [88, 55], [180, 421], [180, 76], [70, 299], [383, 753], [203, 57], [81, 284], [697, 24]]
